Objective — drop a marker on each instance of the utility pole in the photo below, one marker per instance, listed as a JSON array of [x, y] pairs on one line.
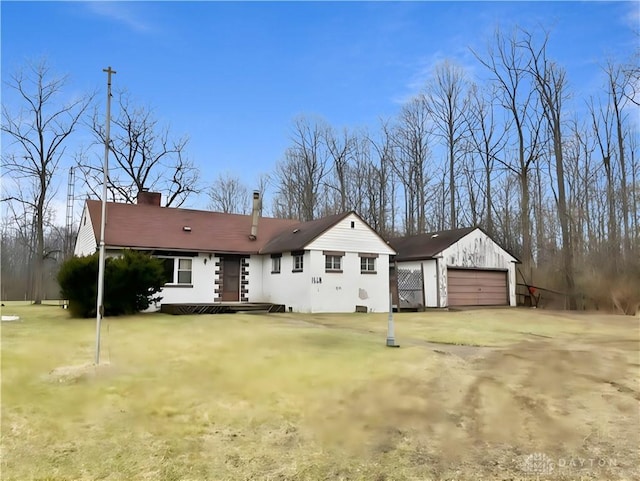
[[105, 169]]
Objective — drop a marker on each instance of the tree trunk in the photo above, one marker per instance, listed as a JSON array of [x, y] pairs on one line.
[[563, 214], [489, 207], [526, 225], [623, 178], [452, 189]]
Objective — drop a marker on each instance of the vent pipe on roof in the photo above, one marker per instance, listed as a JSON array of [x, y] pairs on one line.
[[257, 207]]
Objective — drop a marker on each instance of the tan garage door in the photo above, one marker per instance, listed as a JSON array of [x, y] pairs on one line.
[[474, 287]]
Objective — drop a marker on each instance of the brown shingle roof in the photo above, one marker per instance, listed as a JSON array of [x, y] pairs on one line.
[[425, 246], [161, 228], [296, 237]]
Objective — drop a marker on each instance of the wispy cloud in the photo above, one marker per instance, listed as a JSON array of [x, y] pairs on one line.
[[424, 69], [632, 16], [121, 12]]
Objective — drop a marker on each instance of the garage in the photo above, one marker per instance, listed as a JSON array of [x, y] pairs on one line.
[[477, 287], [458, 267]]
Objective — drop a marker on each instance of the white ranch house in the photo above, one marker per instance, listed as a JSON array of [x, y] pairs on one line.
[[334, 264]]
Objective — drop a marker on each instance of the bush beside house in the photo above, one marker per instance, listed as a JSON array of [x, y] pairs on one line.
[[130, 283]]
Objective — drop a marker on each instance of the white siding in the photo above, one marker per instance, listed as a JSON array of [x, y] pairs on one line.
[[202, 279], [477, 250], [342, 237], [343, 291], [255, 291], [442, 282], [315, 290], [289, 288], [430, 283], [86, 242]]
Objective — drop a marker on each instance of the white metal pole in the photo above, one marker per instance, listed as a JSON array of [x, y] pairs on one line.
[[105, 168], [391, 336]]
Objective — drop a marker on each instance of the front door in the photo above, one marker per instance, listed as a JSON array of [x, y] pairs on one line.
[[231, 278]]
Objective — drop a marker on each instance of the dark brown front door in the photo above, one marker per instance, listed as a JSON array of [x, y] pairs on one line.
[[231, 278]]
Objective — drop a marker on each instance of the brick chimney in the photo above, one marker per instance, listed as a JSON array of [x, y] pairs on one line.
[[148, 198]]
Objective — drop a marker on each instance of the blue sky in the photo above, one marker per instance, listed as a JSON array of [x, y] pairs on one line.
[[233, 75]]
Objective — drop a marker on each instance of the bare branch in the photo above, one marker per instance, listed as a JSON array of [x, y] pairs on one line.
[[39, 133], [143, 156]]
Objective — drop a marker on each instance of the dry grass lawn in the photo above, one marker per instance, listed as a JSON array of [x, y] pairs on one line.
[[488, 394]]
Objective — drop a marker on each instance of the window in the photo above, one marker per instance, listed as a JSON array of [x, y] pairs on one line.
[[184, 271], [177, 270], [333, 261], [275, 265], [298, 261], [368, 263]]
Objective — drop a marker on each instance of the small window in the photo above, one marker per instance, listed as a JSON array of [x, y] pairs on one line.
[[184, 271], [176, 270], [368, 265], [298, 262], [333, 263], [275, 265]]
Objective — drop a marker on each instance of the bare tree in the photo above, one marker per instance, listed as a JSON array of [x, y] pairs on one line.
[[18, 251], [411, 136], [506, 196], [508, 63], [447, 102], [617, 81], [578, 148], [145, 155], [300, 175], [550, 81], [631, 71], [602, 127], [486, 140], [229, 195], [381, 183], [340, 147], [635, 191], [39, 133]]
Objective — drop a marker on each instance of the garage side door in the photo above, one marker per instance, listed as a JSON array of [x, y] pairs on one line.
[[474, 287]]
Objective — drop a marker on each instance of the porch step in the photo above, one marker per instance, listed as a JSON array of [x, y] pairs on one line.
[[220, 308]]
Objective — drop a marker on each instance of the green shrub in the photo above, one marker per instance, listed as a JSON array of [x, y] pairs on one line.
[[78, 279], [130, 282]]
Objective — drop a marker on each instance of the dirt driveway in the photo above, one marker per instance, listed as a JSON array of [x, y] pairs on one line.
[[548, 407]]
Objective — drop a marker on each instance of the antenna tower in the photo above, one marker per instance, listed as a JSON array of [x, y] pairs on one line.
[[68, 241]]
